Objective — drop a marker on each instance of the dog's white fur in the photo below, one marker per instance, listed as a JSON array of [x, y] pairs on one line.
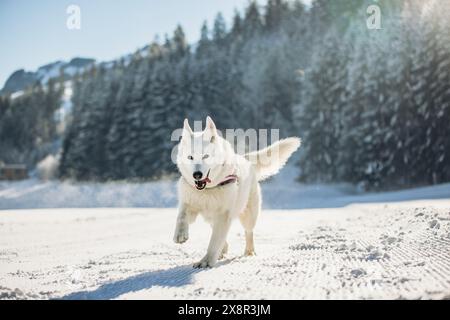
[[219, 205]]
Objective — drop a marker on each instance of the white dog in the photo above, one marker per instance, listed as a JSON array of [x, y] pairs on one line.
[[222, 185]]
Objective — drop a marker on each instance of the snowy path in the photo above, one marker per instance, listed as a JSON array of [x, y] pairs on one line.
[[387, 251]]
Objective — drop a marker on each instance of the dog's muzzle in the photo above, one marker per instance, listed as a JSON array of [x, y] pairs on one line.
[[201, 184]]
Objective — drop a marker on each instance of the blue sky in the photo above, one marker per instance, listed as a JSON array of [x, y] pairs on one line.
[[34, 33]]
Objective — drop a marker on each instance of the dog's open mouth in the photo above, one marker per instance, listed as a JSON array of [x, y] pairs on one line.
[[201, 184]]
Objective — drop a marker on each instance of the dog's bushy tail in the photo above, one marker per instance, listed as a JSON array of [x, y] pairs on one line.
[[270, 160]]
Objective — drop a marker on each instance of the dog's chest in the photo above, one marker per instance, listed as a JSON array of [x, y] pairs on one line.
[[220, 199]]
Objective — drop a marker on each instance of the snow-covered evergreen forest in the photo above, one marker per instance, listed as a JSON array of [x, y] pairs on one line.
[[372, 106], [29, 126]]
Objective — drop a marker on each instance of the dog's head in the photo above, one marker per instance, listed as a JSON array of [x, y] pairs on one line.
[[201, 155]]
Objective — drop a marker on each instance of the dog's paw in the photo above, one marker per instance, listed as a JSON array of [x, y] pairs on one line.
[[223, 252], [206, 262], [181, 235], [249, 253]]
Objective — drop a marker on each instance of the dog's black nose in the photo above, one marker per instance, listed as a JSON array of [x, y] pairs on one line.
[[197, 175]]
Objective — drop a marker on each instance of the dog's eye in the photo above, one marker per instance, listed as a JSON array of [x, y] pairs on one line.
[[206, 156], [190, 157]]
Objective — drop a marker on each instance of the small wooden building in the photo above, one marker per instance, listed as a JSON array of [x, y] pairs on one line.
[[13, 171]]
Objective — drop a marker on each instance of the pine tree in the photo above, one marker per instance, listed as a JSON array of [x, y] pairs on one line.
[[276, 12], [236, 30], [320, 112], [430, 77], [204, 42], [219, 30], [252, 20], [179, 43]]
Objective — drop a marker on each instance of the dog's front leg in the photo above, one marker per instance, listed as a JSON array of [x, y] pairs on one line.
[[221, 226], [182, 226]]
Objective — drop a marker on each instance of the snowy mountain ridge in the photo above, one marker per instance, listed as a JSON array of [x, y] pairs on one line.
[[21, 79]]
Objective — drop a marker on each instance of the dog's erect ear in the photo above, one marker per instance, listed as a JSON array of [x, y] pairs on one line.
[[211, 129], [187, 131]]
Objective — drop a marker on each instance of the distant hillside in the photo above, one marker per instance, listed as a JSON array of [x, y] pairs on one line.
[[22, 79]]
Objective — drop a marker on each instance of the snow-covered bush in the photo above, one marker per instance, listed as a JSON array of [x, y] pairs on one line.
[[47, 169]]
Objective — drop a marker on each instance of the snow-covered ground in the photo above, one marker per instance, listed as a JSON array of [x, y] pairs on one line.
[[282, 192], [385, 251], [336, 244]]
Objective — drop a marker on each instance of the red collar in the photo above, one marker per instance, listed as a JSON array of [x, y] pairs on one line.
[[229, 179]]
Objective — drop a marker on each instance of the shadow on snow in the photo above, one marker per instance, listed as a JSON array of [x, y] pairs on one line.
[[173, 277]]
